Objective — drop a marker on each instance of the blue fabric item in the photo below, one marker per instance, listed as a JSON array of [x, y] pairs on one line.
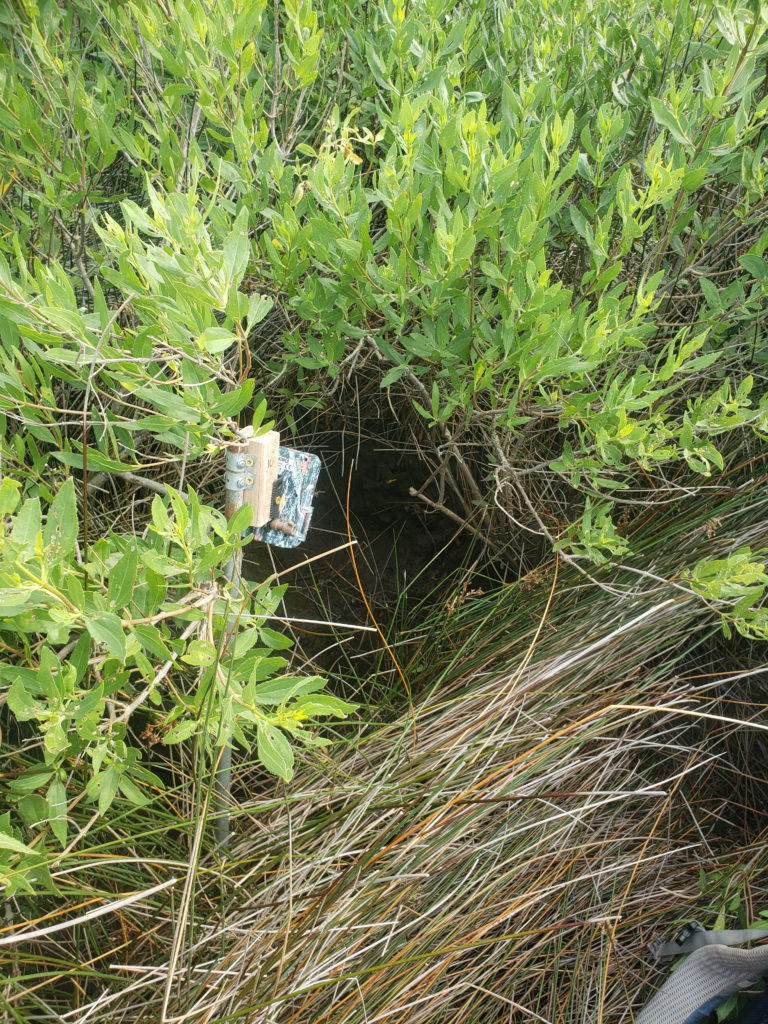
[[703, 1011]]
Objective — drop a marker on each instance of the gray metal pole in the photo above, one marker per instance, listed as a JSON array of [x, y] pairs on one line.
[[238, 478]]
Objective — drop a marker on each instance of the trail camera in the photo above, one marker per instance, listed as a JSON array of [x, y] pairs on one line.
[[279, 484], [291, 505]]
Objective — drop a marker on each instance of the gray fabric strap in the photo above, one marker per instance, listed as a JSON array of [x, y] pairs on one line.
[[703, 981], [693, 937]]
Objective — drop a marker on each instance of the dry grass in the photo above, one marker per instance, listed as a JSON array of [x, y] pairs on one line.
[[582, 771]]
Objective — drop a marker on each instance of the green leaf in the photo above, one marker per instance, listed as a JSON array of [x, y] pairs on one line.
[[318, 705], [245, 640], [34, 810], [160, 518], [393, 375], [31, 780], [8, 842], [107, 787], [138, 217], [378, 67], [754, 265], [96, 461], [200, 652], [57, 807], [20, 702], [160, 564], [9, 495], [181, 731], [14, 600], [281, 690], [169, 403], [216, 339], [149, 637], [274, 751], [579, 221], [60, 534], [240, 521], [584, 167], [131, 792], [276, 641], [663, 116], [258, 307], [156, 592], [465, 247], [693, 179], [229, 403], [27, 523], [260, 667], [79, 657], [106, 628], [55, 739], [711, 294], [237, 248], [122, 579], [179, 509]]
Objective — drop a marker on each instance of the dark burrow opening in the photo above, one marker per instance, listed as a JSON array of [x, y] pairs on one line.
[[406, 553]]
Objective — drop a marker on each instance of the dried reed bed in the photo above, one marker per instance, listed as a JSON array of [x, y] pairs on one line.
[[510, 862]]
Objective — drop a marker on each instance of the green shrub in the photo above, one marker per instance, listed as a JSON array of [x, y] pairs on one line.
[[542, 222]]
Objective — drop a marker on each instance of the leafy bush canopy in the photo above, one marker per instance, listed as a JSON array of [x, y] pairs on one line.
[[544, 223]]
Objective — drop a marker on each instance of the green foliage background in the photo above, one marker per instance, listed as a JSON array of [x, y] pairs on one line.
[[540, 226]]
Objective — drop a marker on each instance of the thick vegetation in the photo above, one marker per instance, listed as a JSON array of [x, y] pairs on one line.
[[538, 229]]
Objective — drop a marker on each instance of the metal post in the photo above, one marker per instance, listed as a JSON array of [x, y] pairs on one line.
[[238, 478]]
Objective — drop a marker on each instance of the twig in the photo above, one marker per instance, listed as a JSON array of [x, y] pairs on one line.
[[463, 523], [131, 478]]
